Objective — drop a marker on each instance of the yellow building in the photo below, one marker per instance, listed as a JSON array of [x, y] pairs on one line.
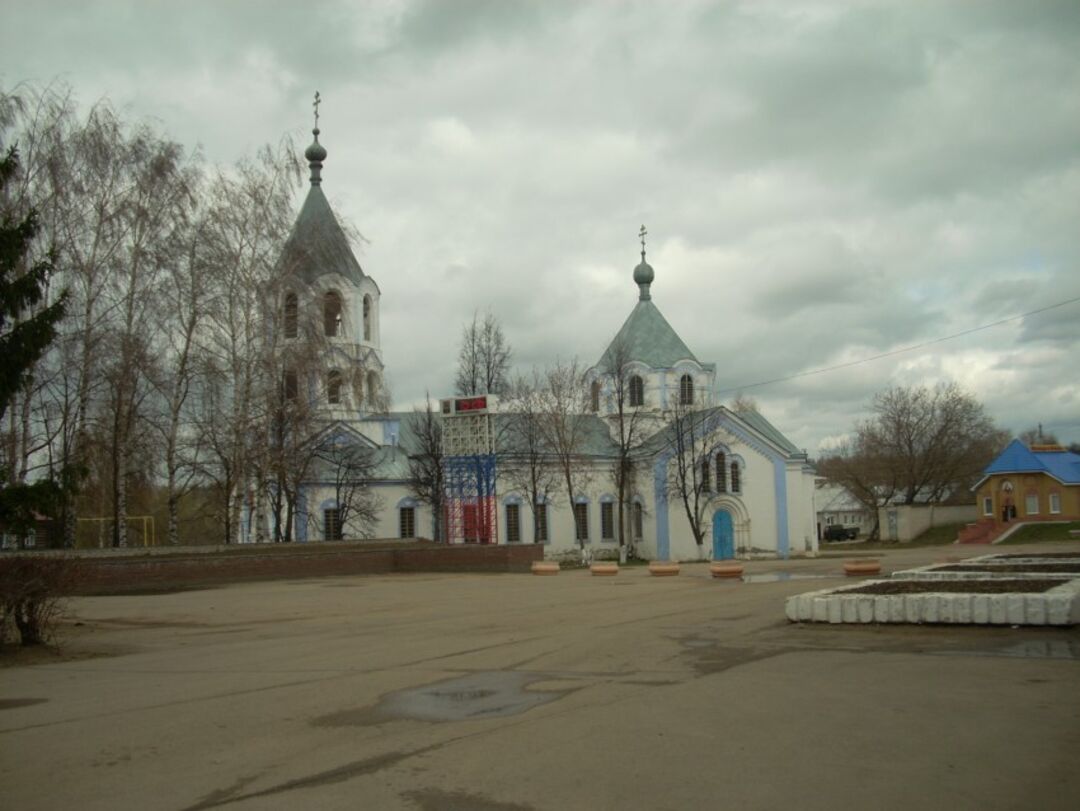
[[1040, 483]]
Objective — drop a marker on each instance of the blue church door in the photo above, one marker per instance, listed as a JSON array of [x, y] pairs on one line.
[[723, 536]]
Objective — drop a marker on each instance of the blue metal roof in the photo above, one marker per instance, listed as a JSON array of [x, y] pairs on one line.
[[1019, 458]]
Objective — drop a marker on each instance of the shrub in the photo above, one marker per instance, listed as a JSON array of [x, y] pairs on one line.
[[32, 592]]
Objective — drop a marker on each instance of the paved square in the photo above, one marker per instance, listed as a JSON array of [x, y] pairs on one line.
[[517, 692]]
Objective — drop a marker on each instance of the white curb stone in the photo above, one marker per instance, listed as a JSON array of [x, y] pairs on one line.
[[1058, 606]]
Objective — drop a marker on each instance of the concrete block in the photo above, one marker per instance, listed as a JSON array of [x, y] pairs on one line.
[[896, 607], [1058, 608], [835, 612], [997, 609], [881, 608], [1014, 609], [930, 611], [912, 608], [865, 607], [962, 609], [791, 608], [947, 608], [980, 609], [821, 609], [1035, 609], [849, 608]]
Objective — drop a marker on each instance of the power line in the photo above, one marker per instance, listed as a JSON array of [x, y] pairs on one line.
[[900, 351]]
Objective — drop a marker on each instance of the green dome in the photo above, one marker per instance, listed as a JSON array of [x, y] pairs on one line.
[[316, 153], [643, 273]]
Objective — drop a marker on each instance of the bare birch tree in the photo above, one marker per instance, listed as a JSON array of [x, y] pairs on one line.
[[526, 462], [565, 431], [484, 358], [422, 442], [687, 479], [616, 371]]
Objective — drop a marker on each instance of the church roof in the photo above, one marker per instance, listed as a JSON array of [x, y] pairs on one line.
[[648, 338], [1019, 458], [317, 244]]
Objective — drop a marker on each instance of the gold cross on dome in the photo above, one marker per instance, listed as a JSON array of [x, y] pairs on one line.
[[642, 233], [315, 104]]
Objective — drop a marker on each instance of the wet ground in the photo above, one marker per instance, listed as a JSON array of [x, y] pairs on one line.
[[489, 692]]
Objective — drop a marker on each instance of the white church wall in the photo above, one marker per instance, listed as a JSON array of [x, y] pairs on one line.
[[802, 526]]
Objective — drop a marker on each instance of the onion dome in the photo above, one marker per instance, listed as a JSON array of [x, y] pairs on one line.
[[315, 154]]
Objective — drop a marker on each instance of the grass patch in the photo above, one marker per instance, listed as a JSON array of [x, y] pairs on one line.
[[1042, 532]]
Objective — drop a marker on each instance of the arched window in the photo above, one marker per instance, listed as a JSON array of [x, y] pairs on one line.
[[639, 521], [705, 484], [372, 387], [637, 391], [332, 314], [333, 387], [290, 315], [686, 390], [736, 484], [581, 519], [367, 318], [721, 472], [594, 396], [290, 387]]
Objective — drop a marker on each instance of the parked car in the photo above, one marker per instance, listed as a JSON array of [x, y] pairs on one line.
[[837, 532]]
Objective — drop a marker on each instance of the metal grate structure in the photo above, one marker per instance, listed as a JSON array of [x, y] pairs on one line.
[[469, 471]]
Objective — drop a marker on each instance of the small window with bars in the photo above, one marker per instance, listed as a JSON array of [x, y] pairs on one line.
[[581, 522], [332, 529], [513, 523], [607, 521], [639, 521], [407, 522], [541, 524]]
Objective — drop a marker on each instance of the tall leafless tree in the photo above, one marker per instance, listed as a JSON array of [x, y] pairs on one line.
[[349, 469], [422, 442], [484, 357], [614, 375], [920, 445], [526, 462], [688, 443], [565, 429]]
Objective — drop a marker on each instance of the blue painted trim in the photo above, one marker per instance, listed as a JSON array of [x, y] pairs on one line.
[[513, 498], [663, 537], [780, 483], [301, 516], [407, 501]]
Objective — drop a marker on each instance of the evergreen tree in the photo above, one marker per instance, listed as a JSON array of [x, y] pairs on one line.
[[25, 334]]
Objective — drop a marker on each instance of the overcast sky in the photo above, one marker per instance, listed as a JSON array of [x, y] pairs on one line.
[[821, 182]]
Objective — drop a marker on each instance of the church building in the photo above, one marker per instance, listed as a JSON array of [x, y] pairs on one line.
[[752, 490]]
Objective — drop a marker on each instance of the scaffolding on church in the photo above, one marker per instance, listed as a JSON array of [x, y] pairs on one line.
[[469, 471]]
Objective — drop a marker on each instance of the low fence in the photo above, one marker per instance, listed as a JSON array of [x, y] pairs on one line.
[[163, 569]]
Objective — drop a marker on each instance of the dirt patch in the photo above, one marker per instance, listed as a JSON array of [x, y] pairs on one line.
[[1001, 586], [15, 703]]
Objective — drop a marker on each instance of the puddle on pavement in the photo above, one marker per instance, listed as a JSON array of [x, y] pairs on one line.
[[781, 577], [1028, 649], [487, 694]]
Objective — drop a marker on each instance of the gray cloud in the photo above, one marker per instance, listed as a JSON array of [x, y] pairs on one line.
[[821, 182]]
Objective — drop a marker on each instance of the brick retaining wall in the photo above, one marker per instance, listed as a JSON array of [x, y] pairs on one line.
[[173, 569]]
